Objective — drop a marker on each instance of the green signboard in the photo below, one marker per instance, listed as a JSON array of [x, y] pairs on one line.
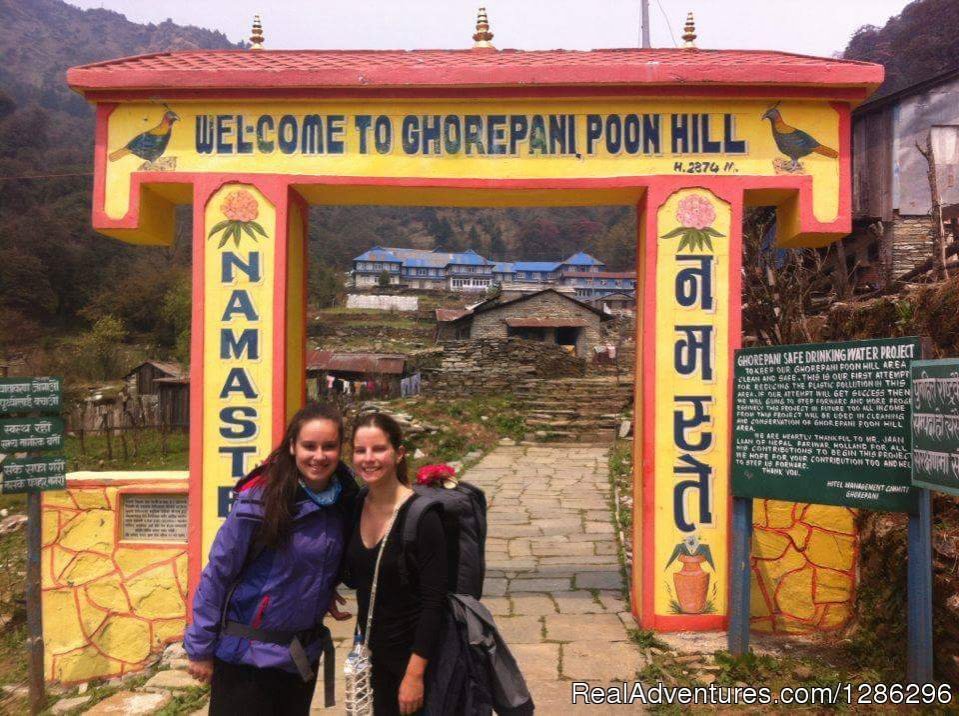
[[28, 395], [33, 474], [825, 423], [935, 424], [27, 434]]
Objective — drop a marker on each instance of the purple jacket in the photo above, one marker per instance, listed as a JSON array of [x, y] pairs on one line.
[[286, 589]]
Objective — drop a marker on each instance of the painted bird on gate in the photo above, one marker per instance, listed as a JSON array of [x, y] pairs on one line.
[[794, 143], [151, 144]]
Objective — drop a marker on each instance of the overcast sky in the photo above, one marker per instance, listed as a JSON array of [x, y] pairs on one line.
[[815, 27]]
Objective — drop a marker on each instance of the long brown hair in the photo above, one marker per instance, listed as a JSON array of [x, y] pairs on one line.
[[393, 432], [282, 475]]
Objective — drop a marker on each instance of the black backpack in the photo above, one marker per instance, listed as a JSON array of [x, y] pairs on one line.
[[462, 510]]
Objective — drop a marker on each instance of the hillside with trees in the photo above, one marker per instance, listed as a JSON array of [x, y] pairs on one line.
[[60, 278], [921, 42]]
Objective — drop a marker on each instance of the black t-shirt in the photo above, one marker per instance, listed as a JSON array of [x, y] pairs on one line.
[[405, 620]]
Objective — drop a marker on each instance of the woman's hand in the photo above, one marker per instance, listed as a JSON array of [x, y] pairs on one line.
[[201, 670], [411, 693], [333, 611]]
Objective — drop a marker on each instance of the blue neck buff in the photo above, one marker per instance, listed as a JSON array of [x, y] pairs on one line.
[[326, 497]]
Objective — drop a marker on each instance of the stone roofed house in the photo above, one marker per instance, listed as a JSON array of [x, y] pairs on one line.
[[892, 201], [468, 271], [546, 315]]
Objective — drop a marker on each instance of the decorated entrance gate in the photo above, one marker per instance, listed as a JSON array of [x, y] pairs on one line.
[[688, 137]]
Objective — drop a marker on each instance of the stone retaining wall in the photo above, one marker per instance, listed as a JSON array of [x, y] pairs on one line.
[[490, 365]]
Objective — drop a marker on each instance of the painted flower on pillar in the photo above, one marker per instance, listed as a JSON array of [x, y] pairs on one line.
[[692, 595], [240, 209], [695, 215]]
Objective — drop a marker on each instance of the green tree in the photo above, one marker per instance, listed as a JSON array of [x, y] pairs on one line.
[[326, 285], [97, 354], [384, 279], [176, 315]]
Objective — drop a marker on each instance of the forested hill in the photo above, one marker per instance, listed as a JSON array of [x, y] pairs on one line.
[[58, 277], [920, 42], [42, 38], [56, 274]]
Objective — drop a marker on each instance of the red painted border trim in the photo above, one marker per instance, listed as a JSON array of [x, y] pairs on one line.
[[201, 195], [100, 145], [801, 185], [599, 92], [731, 192], [281, 274], [304, 208]]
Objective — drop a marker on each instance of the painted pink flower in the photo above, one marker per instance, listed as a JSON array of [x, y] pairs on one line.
[[240, 209], [695, 212], [240, 206]]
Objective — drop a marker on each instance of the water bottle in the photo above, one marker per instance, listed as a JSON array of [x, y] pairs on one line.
[[356, 677]]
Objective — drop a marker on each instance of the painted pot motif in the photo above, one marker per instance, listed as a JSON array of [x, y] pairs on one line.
[[692, 584]]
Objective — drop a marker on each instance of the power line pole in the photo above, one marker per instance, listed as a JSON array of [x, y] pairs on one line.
[[645, 23]]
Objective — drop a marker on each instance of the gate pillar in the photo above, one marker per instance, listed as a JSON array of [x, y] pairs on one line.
[[690, 263], [248, 339]]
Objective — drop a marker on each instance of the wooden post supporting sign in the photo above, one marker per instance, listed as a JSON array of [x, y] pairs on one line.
[[838, 440], [32, 474]]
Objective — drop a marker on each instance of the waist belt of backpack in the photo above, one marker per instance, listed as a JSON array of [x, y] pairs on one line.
[[295, 641]]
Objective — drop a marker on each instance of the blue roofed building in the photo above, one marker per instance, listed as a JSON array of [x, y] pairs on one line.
[[582, 274]]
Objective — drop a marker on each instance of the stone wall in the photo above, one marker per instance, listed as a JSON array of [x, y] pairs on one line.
[[910, 242], [107, 604], [491, 365], [492, 323]]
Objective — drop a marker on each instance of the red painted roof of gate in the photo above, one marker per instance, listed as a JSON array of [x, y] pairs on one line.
[[287, 69]]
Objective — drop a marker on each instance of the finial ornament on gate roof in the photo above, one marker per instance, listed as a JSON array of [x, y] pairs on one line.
[[482, 38], [257, 37], [689, 32]]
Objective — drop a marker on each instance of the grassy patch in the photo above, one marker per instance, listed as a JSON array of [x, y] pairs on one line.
[[145, 450], [186, 701], [461, 425]]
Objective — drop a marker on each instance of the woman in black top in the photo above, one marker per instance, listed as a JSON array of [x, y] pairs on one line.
[[406, 620]]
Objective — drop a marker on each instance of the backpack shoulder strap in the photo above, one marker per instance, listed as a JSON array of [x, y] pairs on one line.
[[419, 506]]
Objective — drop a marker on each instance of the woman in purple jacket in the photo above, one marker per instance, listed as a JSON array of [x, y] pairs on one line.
[[257, 630]]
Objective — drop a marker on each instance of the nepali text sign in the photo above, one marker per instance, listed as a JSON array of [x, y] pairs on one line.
[[27, 434], [27, 395], [33, 474], [935, 425], [825, 423], [153, 518]]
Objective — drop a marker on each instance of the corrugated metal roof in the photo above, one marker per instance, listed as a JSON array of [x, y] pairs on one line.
[[582, 259], [387, 363], [378, 254], [537, 265], [545, 323]]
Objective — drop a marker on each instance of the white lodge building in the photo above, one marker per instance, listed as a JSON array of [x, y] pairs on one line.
[[468, 271]]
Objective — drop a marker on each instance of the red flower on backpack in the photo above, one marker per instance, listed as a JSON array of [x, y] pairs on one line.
[[430, 474]]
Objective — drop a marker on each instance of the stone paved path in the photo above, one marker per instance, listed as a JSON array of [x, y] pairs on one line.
[[553, 577]]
